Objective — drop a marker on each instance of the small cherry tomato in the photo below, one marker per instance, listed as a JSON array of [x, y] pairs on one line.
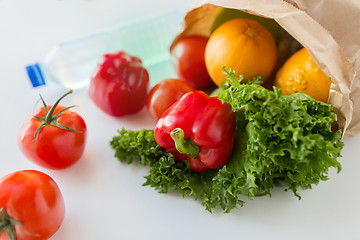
[[53, 137], [164, 94], [31, 206], [189, 60], [120, 84]]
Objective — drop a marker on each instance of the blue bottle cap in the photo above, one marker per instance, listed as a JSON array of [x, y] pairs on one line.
[[35, 74]]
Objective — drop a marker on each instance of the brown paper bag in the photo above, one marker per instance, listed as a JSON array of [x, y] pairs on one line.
[[329, 30]]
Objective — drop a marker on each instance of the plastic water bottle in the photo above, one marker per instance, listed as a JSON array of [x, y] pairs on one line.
[[72, 63]]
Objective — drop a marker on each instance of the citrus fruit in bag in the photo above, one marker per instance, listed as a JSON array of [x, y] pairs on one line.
[[243, 44], [301, 74], [227, 14]]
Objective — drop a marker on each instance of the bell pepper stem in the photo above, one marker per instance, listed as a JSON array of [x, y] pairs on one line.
[[184, 146]]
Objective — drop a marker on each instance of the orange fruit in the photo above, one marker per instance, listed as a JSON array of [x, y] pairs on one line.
[[243, 44], [301, 74], [227, 14]]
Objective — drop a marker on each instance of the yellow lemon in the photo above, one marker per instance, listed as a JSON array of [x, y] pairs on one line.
[[300, 74]]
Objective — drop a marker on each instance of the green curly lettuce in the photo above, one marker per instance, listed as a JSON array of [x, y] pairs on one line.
[[280, 141], [165, 173], [289, 138]]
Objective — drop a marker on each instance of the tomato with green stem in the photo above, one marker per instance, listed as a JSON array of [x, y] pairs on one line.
[[31, 206], [53, 137]]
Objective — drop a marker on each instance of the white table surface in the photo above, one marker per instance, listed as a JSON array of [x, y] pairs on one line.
[[104, 198]]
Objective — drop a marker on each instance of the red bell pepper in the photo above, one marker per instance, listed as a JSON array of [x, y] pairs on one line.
[[119, 84], [199, 129]]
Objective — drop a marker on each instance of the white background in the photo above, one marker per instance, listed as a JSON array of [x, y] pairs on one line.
[[104, 198]]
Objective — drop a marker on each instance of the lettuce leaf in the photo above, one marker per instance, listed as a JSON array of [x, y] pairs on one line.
[[289, 139], [280, 141]]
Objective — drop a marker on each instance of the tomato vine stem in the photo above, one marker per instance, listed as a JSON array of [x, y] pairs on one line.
[[50, 118], [8, 224]]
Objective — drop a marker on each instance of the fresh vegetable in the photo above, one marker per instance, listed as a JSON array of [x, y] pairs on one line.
[[119, 84], [189, 60], [164, 94], [301, 74], [199, 129], [243, 44], [289, 138], [280, 141], [31, 206], [53, 137]]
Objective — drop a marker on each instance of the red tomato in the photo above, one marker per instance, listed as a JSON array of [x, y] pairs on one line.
[[119, 84], [164, 94], [189, 56], [31, 204], [53, 147]]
